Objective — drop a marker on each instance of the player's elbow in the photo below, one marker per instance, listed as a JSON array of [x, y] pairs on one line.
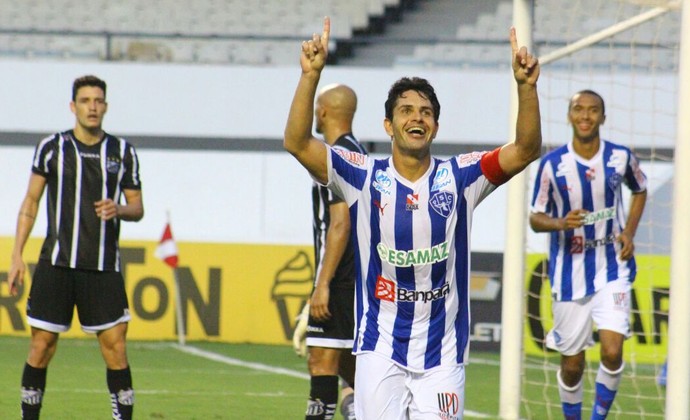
[[531, 150], [534, 223]]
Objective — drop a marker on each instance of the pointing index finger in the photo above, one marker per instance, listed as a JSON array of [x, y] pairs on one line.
[[326, 30], [513, 40]]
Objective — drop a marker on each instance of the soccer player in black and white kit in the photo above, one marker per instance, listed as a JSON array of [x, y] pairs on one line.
[[331, 317], [85, 171]]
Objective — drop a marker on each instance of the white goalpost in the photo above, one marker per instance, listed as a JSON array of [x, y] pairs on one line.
[[636, 54]]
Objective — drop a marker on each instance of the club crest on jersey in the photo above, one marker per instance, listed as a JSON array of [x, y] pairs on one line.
[[441, 179], [112, 165], [615, 181], [382, 182], [443, 203], [590, 174], [412, 202]]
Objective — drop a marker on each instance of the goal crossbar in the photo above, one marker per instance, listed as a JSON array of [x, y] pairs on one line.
[[608, 32]]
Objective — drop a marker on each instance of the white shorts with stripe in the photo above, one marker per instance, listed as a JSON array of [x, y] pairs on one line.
[[609, 309], [387, 391]]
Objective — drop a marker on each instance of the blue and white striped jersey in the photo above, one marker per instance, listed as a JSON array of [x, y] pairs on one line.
[[413, 253], [583, 260]]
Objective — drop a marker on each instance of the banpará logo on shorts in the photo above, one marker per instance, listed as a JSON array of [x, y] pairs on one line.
[[598, 216], [387, 290], [422, 256]]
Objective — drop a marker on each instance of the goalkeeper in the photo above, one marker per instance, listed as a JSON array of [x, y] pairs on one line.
[[330, 325]]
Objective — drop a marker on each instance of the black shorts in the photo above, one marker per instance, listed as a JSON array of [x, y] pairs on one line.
[[337, 331], [99, 296]]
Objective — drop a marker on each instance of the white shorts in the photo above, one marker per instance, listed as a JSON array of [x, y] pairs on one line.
[[386, 391], [609, 309]]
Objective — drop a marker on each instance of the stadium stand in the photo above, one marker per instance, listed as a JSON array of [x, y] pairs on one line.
[[263, 32], [210, 31]]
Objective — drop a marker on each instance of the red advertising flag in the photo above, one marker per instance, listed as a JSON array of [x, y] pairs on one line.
[[167, 249]]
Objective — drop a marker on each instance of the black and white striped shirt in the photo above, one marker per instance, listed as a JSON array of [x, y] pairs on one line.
[[322, 198], [77, 176]]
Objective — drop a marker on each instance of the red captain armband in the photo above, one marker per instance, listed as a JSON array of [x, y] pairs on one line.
[[491, 168]]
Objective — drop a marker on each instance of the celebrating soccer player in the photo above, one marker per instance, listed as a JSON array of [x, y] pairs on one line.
[[411, 219], [578, 199]]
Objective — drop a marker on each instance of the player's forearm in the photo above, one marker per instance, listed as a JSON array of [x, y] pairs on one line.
[[540, 222], [25, 223], [528, 127], [299, 124], [130, 212], [637, 204], [336, 244]]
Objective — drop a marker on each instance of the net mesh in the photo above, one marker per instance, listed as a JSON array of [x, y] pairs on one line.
[[636, 73]]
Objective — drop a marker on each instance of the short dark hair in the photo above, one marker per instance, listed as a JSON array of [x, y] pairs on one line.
[[88, 80], [421, 86], [588, 92]]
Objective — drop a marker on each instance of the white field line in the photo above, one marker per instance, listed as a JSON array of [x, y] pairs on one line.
[[281, 371], [237, 362]]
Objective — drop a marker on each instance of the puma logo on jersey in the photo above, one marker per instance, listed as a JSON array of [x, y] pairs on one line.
[[378, 205]]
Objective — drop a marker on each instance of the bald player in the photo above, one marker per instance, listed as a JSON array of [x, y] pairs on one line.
[[331, 317]]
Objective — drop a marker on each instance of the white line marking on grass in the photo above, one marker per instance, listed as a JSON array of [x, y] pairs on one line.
[[237, 362], [138, 391], [272, 369]]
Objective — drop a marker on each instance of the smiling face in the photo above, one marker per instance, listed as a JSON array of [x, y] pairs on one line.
[[586, 115], [413, 126], [89, 106]]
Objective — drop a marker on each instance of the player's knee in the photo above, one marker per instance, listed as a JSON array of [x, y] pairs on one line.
[[611, 358], [322, 363], [41, 351], [571, 373]]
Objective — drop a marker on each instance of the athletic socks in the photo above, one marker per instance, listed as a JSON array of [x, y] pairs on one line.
[[606, 388], [33, 387], [347, 407], [121, 393], [571, 398], [323, 398]]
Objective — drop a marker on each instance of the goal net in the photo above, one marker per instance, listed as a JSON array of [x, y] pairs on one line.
[[627, 51]]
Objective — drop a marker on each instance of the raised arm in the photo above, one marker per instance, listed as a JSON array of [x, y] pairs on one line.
[[515, 156], [310, 152]]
